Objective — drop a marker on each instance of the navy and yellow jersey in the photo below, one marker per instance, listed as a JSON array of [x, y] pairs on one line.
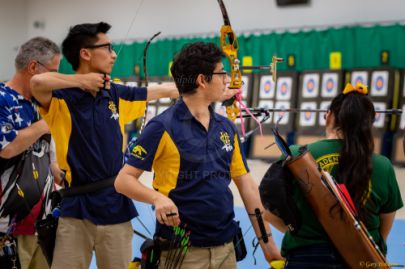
[[88, 134], [194, 168]]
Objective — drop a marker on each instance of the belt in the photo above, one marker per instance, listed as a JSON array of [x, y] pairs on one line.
[[88, 188]]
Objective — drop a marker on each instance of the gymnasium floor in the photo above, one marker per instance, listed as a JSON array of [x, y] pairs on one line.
[[396, 240]]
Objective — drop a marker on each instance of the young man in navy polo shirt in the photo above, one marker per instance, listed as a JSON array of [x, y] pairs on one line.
[[86, 114], [195, 153]]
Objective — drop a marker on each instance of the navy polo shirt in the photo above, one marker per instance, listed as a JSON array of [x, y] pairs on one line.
[[194, 168], [88, 134]]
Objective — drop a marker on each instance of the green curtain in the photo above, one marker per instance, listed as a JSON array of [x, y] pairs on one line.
[[360, 47]]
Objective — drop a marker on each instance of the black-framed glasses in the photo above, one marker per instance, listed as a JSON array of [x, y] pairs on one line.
[[109, 46], [223, 73], [47, 69]]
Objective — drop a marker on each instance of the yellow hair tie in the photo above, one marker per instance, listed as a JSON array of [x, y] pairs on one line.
[[360, 88]]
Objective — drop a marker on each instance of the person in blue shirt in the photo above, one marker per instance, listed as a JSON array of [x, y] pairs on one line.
[[195, 153], [22, 132], [86, 114]]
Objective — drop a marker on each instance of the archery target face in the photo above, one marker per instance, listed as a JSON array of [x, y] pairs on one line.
[[310, 86], [329, 85], [379, 84], [266, 105], [402, 122], [245, 86], [307, 118], [151, 113], [285, 115], [161, 109], [359, 76], [284, 85], [132, 83], [321, 117], [379, 117], [267, 87]]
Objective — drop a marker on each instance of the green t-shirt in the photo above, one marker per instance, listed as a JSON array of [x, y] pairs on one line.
[[385, 196]]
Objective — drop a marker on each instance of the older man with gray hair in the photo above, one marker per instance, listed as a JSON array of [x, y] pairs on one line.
[[24, 136]]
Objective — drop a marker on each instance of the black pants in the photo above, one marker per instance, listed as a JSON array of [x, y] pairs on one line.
[[316, 256]]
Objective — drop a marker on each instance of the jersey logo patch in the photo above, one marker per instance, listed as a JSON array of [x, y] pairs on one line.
[[139, 152], [224, 136], [113, 108]]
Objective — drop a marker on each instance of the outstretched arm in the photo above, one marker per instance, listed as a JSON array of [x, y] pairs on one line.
[[157, 91], [43, 84], [128, 184], [170, 90], [249, 192]]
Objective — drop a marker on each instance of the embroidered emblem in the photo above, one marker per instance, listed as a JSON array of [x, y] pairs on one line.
[[113, 108], [224, 136], [327, 162], [139, 152]]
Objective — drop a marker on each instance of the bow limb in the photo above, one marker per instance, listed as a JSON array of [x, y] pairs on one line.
[[145, 71], [145, 55], [229, 45]]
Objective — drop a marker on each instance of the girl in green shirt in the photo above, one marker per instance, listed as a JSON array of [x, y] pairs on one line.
[[346, 153]]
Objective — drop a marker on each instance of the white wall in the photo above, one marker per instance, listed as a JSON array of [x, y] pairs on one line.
[[13, 32], [183, 17]]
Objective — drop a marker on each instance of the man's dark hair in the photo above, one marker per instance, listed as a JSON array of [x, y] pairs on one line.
[[194, 59], [81, 36]]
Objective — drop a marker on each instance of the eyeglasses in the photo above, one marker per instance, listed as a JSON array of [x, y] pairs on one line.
[[109, 46], [47, 69], [223, 73]]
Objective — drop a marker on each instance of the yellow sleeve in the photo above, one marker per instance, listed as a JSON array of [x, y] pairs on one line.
[[60, 123], [130, 111], [238, 164]]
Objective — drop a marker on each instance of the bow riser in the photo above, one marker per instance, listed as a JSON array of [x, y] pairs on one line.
[[230, 49]]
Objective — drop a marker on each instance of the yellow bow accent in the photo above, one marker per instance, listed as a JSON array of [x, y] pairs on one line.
[[360, 88]]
